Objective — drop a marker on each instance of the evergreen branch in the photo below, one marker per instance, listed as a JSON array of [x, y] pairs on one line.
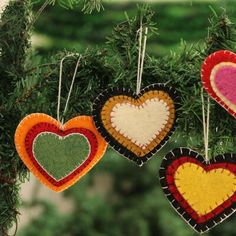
[[87, 5], [222, 33], [14, 44], [181, 71], [22, 91], [39, 12], [91, 5], [35, 68]]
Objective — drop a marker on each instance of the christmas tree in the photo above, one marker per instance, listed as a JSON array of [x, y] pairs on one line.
[[29, 84]]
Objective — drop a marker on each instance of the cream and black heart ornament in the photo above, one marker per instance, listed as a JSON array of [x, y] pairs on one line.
[[136, 124]]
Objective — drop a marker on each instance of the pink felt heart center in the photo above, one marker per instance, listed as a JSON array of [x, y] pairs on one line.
[[225, 81]]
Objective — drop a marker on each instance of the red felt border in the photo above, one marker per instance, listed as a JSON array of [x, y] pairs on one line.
[[47, 127], [210, 62], [177, 195]]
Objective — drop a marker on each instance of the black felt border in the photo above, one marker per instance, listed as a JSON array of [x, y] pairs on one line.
[[179, 152], [107, 94]]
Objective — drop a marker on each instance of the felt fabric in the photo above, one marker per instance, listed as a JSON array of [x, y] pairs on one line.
[[225, 81], [219, 79], [40, 124], [141, 125], [193, 183], [203, 193], [59, 156], [136, 125], [46, 127]]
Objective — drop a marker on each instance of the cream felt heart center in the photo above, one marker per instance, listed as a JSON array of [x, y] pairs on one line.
[[140, 124]]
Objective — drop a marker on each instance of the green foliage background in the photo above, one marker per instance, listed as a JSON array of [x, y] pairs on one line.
[[135, 205], [187, 20]]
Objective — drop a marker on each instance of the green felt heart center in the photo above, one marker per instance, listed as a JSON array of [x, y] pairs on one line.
[[59, 156]]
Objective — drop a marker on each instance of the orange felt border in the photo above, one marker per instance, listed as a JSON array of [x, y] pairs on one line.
[[78, 122]]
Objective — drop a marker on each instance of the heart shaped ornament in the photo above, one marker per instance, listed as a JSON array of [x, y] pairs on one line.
[[136, 125], [203, 193], [219, 79], [58, 155]]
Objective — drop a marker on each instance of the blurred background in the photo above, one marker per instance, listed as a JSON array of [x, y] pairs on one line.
[[116, 198]]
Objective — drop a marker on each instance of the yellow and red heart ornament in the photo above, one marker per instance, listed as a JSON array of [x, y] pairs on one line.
[[219, 79], [58, 155], [203, 193], [136, 125]]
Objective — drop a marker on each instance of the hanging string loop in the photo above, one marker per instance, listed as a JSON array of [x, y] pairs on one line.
[[141, 54], [71, 86], [206, 123]]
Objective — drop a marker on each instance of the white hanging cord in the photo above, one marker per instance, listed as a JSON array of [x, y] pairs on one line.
[[141, 55], [71, 87], [140, 32], [206, 123], [139, 59]]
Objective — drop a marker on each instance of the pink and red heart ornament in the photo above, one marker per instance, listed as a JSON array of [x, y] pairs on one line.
[[219, 79]]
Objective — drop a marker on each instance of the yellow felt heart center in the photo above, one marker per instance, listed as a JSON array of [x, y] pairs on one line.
[[204, 190]]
